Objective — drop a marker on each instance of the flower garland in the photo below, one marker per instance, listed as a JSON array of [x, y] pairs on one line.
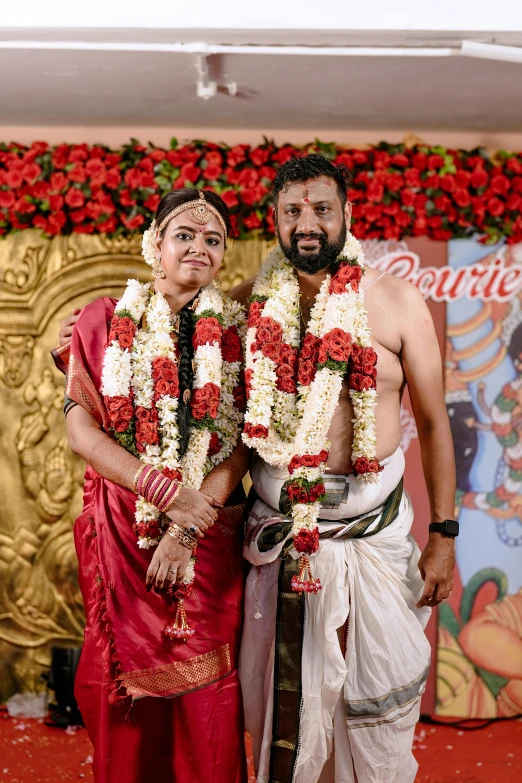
[[293, 386], [397, 190], [141, 390]]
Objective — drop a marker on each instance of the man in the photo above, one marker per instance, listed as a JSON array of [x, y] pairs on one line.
[[332, 681]]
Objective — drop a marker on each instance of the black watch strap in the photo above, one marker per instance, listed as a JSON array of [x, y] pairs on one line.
[[450, 528]]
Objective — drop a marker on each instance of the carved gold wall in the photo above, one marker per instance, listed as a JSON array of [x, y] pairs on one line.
[[40, 282]]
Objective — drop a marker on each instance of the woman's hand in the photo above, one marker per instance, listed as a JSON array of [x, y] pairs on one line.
[[168, 564], [66, 326], [193, 511]]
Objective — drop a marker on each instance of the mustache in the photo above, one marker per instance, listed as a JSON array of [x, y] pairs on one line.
[[319, 235]]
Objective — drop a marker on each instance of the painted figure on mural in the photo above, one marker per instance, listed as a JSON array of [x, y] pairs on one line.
[[480, 626], [338, 594], [154, 401]]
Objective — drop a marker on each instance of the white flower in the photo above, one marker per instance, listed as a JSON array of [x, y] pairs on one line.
[[116, 372]]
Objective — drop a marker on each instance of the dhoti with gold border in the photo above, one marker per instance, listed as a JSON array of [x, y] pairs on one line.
[[332, 682]]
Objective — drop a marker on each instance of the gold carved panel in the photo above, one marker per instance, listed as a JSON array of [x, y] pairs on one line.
[[40, 282]]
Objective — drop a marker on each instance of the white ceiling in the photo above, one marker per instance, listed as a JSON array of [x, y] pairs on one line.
[[41, 87]]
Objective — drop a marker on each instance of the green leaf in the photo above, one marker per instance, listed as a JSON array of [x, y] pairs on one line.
[[173, 143]]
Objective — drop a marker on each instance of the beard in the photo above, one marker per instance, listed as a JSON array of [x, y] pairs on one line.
[[312, 263]]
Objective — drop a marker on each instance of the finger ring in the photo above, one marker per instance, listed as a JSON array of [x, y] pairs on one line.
[[192, 528]]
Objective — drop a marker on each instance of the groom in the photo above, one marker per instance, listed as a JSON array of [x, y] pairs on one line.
[[332, 681]]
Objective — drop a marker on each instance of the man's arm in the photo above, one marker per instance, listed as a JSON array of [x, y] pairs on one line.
[[242, 291], [422, 366]]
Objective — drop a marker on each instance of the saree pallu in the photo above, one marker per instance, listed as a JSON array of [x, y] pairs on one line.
[[155, 709]]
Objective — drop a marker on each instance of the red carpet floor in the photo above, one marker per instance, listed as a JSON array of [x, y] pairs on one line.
[[31, 752]]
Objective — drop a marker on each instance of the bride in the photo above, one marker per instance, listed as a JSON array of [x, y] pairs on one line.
[[154, 405]]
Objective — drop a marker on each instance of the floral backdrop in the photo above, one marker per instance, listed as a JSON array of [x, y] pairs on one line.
[[396, 190]]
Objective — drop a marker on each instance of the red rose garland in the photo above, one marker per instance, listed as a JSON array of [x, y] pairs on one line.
[[336, 345]]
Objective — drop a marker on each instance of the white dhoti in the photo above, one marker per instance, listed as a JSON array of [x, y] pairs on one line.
[[336, 718]]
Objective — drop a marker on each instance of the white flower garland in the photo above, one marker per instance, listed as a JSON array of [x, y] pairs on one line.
[[131, 369], [299, 424]]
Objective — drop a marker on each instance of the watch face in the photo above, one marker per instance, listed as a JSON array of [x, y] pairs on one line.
[[452, 527]]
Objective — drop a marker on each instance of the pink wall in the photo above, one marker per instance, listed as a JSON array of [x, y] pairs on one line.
[[114, 136]]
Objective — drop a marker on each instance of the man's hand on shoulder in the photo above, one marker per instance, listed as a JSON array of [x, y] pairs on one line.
[[67, 325], [436, 566]]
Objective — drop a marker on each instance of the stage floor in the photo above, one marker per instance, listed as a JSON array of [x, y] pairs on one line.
[[31, 752]]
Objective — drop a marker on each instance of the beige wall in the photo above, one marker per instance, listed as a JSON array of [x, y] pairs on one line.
[[115, 136]]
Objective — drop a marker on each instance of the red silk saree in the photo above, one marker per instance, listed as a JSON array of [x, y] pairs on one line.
[[183, 699]]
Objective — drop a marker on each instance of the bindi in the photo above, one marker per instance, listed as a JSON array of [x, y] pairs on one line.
[[306, 200]]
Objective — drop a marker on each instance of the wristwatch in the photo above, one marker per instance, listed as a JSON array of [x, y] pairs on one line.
[[449, 528]]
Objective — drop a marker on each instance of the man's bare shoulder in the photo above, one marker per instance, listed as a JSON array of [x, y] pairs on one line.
[[242, 291], [402, 291]]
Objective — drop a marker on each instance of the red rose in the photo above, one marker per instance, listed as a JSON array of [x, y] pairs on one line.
[[126, 411], [305, 372], [310, 461], [479, 178], [270, 350], [213, 408], [302, 496], [360, 466], [208, 330], [7, 199], [112, 178], [374, 467], [355, 381], [248, 381], [338, 353], [142, 414], [284, 370], [162, 387], [212, 172], [214, 446], [255, 430], [173, 475], [500, 184], [270, 327], [295, 463], [288, 355], [369, 355], [199, 411], [435, 162], [323, 456], [147, 433], [254, 313], [170, 373], [496, 207], [337, 286], [447, 183], [115, 403], [310, 346], [231, 345], [263, 335], [120, 424], [307, 541], [287, 385]]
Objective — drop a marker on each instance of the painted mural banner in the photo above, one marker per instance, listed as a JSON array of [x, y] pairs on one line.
[[478, 290]]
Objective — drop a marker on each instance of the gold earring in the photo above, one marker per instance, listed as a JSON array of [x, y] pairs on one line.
[[157, 269]]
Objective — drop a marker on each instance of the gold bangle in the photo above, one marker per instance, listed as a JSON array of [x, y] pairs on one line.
[[137, 478], [184, 538]]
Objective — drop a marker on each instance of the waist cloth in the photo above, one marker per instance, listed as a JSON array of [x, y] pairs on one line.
[[296, 676]]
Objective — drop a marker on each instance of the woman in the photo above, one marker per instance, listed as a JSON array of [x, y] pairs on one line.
[[155, 408]]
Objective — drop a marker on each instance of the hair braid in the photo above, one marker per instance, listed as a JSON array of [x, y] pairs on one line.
[[185, 374]]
